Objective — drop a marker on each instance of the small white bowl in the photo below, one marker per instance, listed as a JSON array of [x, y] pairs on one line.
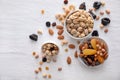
[[74, 36]]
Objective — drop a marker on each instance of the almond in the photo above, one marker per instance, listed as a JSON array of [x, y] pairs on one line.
[[80, 47], [60, 32], [60, 37], [51, 32], [71, 46], [69, 60], [76, 54], [59, 27]]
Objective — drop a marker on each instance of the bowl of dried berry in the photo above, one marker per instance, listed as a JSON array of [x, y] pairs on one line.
[[93, 51], [49, 51], [79, 24]]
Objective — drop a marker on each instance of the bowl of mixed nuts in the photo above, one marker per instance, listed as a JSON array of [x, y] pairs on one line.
[[79, 24], [93, 51], [49, 50]]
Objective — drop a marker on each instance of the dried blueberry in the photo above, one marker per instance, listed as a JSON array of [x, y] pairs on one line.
[[105, 21], [95, 33], [97, 5], [44, 59], [82, 6], [48, 24], [93, 15], [33, 37]]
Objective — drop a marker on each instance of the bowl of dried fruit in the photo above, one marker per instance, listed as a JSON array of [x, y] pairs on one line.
[[93, 51], [49, 51], [79, 24]]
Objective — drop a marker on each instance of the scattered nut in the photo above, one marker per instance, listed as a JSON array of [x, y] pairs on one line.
[[97, 18], [69, 60], [37, 56], [40, 62], [59, 27], [34, 53], [107, 11], [49, 76], [39, 31], [101, 13], [63, 42], [51, 32], [44, 75], [101, 26], [47, 68], [40, 69], [76, 54], [36, 71], [71, 46], [42, 11], [106, 30], [60, 37], [59, 68], [60, 32], [66, 49], [103, 3]]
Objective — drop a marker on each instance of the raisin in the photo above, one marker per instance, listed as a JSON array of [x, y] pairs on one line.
[[105, 21], [93, 15], [54, 24], [97, 5], [65, 1], [82, 6], [44, 59], [48, 24], [95, 33], [33, 37]]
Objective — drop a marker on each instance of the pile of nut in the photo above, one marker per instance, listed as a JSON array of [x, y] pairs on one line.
[[79, 24], [93, 52], [49, 50]]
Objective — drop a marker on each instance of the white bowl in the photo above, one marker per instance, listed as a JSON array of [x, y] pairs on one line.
[[74, 36], [80, 59]]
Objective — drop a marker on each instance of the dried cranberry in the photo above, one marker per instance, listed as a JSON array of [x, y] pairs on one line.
[[65, 1], [105, 21], [82, 6]]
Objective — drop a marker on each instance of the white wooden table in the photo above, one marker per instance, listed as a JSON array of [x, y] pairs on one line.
[[20, 18]]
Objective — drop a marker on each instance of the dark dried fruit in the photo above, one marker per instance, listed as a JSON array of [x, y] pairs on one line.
[[48, 24], [65, 1], [33, 37], [105, 21], [54, 24], [97, 5], [44, 59], [95, 33], [82, 6], [93, 15]]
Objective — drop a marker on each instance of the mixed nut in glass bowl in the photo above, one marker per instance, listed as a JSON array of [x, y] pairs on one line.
[[79, 24], [49, 50], [93, 51]]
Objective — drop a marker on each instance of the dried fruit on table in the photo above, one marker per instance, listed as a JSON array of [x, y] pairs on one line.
[[97, 5], [105, 21], [48, 24], [89, 51], [93, 43], [33, 37], [100, 59], [69, 60], [82, 6]]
